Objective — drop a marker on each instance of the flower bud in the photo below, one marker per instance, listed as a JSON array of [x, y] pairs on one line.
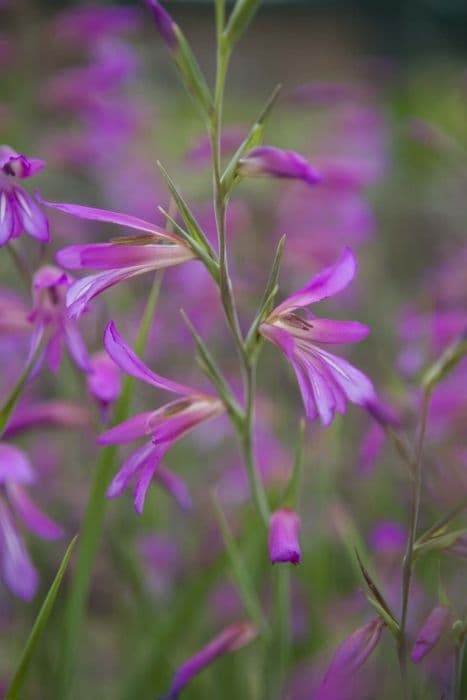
[[267, 161], [283, 542], [164, 23], [431, 632]]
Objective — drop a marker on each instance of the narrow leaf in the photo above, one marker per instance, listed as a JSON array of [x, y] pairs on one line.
[[18, 679], [446, 363], [240, 18], [374, 597], [191, 73], [439, 542]]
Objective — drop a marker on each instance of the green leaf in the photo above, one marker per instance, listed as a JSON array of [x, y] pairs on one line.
[[191, 73], [240, 18], [446, 363], [240, 571], [18, 679], [253, 139], [438, 542], [376, 599], [267, 300], [291, 495]]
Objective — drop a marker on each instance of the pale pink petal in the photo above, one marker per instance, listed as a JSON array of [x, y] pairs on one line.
[[17, 570], [14, 465]]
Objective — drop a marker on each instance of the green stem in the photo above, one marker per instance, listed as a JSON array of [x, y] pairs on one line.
[[92, 525], [407, 568]]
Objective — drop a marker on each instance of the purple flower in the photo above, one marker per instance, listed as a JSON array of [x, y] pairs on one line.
[[267, 161], [164, 23], [347, 660], [16, 567], [56, 414], [165, 425], [326, 381], [431, 632], [49, 288], [104, 382], [18, 210], [284, 525], [176, 486], [121, 258], [232, 638]]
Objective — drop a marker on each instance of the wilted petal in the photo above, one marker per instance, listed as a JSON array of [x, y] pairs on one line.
[[17, 570], [326, 283], [35, 520], [129, 362], [349, 657], [284, 546], [431, 632], [14, 465], [232, 638]]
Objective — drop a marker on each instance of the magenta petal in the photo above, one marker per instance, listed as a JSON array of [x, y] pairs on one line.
[[131, 429], [132, 465], [84, 290], [326, 283], [111, 256], [234, 637], [328, 331], [355, 385], [32, 219], [280, 337], [110, 217], [145, 477], [129, 362], [283, 543], [431, 632], [7, 217], [53, 351], [35, 520], [76, 346], [17, 570], [176, 486], [14, 465]]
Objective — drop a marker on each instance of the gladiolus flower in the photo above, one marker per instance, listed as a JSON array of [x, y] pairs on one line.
[[17, 569], [431, 632], [121, 258], [232, 638], [166, 425], [283, 542], [49, 317], [164, 23], [104, 382], [348, 659], [326, 381], [267, 161], [18, 210]]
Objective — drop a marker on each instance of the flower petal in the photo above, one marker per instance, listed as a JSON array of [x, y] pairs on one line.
[[14, 465], [325, 330], [145, 477], [76, 346], [131, 429], [17, 570], [134, 462], [35, 520], [84, 290], [110, 256], [30, 216], [326, 283], [7, 217], [129, 362]]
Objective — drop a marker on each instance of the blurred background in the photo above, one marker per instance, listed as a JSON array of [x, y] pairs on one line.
[[375, 95]]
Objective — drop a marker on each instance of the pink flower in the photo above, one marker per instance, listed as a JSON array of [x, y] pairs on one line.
[[431, 632], [232, 638], [104, 382], [18, 210], [326, 381], [267, 161], [165, 425], [50, 285], [16, 567], [121, 258], [283, 542]]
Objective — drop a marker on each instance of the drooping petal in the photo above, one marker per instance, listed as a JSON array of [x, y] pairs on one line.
[[7, 217], [230, 639], [145, 477], [58, 414], [283, 543], [117, 255], [17, 570], [14, 465], [327, 283], [129, 469], [322, 393], [129, 362], [106, 216], [31, 218], [176, 486], [431, 632], [131, 429], [35, 520], [76, 346], [348, 659]]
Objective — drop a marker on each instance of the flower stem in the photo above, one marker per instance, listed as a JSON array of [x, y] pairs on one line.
[[408, 563], [91, 528]]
